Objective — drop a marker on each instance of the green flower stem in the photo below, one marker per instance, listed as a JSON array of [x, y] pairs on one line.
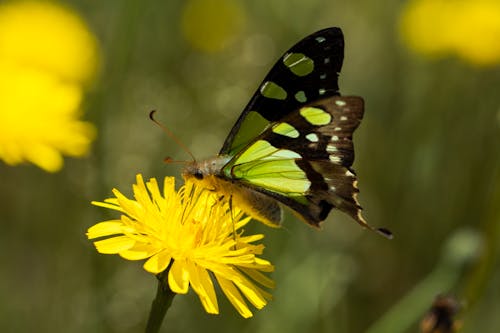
[[160, 304]]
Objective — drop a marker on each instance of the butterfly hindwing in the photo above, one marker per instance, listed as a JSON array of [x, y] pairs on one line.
[[304, 159], [308, 71]]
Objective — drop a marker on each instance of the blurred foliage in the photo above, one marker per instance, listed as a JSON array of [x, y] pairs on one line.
[[426, 157]]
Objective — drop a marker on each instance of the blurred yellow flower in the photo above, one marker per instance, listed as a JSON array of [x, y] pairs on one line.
[[47, 55], [467, 28], [210, 25], [38, 119], [190, 232], [47, 36]]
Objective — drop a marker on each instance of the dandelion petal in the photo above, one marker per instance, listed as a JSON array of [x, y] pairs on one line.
[[234, 296], [178, 277], [203, 286], [139, 252], [105, 229], [158, 262], [114, 245]]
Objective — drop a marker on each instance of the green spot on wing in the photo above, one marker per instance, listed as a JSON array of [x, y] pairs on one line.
[[301, 96], [286, 130], [282, 176], [266, 166], [251, 127], [263, 150], [315, 116], [272, 90], [299, 64]]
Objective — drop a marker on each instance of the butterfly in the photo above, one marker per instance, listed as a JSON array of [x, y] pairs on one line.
[[292, 144]]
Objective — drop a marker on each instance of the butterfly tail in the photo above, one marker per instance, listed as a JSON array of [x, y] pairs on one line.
[[340, 192]]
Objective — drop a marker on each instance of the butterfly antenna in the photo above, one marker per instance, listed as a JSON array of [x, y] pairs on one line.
[[384, 232], [171, 135]]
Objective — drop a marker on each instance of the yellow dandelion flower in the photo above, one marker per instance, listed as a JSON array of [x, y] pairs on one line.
[[46, 55], [477, 38], [210, 25], [469, 29], [191, 233], [38, 119], [423, 26], [49, 37]]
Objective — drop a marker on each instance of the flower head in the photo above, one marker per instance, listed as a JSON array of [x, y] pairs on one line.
[[46, 36], [191, 233], [469, 29], [38, 119], [47, 56]]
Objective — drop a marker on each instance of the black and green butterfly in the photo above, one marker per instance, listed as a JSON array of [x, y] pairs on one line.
[[292, 145]]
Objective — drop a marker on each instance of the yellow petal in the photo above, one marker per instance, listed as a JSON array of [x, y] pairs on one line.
[[108, 204], [158, 262], [251, 239], [252, 293], [178, 277], [114, 245], [234, 296], [139, 252], [107, 228], [202, 284], [46, 157], [259, 277]]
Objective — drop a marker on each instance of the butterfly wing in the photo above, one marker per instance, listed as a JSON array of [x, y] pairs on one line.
[[304, 160], [293, 141], [308, 71]]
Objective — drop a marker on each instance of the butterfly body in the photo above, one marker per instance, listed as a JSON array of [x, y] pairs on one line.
[[208, 174], [292, 145]]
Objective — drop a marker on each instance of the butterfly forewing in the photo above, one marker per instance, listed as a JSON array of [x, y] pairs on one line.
[[308, 71]]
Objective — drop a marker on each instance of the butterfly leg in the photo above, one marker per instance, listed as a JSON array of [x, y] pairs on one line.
[[230, 202]]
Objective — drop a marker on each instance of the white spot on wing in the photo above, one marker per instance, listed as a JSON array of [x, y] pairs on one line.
[[343, 118], [331, 148], [337, 129], [313, 137], [340, 103], [334, 158], [335, 138]]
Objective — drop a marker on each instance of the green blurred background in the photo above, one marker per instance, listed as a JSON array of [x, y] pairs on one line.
[[427, 159]]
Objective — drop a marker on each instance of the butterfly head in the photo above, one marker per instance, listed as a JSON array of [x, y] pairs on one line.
[[201, 171]]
